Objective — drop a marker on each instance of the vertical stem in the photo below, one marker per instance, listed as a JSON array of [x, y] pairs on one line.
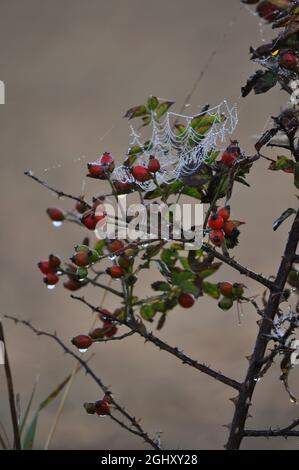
[[255, 364], [11, 395]]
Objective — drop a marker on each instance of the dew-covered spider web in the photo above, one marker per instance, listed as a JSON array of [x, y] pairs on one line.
[[181, 143]]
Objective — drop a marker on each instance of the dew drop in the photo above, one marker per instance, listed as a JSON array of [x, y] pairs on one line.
[[82, 351], [113, 257], [51, 286], [56, 223]]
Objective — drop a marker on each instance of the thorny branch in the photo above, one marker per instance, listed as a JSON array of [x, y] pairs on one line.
[[280, 432], [135, 326], [238, 267], [253, 373], [138, 430]]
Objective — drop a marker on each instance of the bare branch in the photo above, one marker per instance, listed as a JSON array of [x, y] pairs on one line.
[[134, 326], [90, 372], [280, 432], [56, 191], [238, 267]]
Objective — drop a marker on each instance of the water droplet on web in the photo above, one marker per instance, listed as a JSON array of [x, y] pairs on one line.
[[82, 351], [56, 223], [51, 286], [113, 257]]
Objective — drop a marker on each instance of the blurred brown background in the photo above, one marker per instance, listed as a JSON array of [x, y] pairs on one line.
[[71, 69]]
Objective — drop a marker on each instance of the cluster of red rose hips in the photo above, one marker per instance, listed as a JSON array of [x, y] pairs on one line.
[[221, 227], [230, 292], [50, 268], [107, 330], [101, 168], [143, 173], [100, 407]]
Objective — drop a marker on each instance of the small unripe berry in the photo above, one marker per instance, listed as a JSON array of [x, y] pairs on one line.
[[226, 289], [215, 222], [226, 303], [224, 212], [153, 165], [293, 278], [131, 251], [116, 272], [140, 173], [90, 408], [82, 273], [124, 261], [238, 290], [217, 237], [186, 300], [82, 341], [55, 214]]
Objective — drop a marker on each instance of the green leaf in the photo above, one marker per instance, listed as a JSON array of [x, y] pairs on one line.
[[185, 281], [163, 108], [242, 181], [99, 246], [147, 312], [136, 149], [184, 262], [282, 163], [27, 411], [283, 217], [153, 194], [260, 82], [211, 290], [296, 175], [146, 120], [130, 160], [161, 285], [152, 250], [169, 256], [192, 192], [136, 111], [29, 437], [30, 433], [152, 103], [212, 269]]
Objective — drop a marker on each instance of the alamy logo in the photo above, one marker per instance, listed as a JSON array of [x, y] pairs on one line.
[[2, 92], [2, 353]]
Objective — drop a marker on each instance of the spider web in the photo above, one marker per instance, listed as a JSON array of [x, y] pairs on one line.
[[180, 153]]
